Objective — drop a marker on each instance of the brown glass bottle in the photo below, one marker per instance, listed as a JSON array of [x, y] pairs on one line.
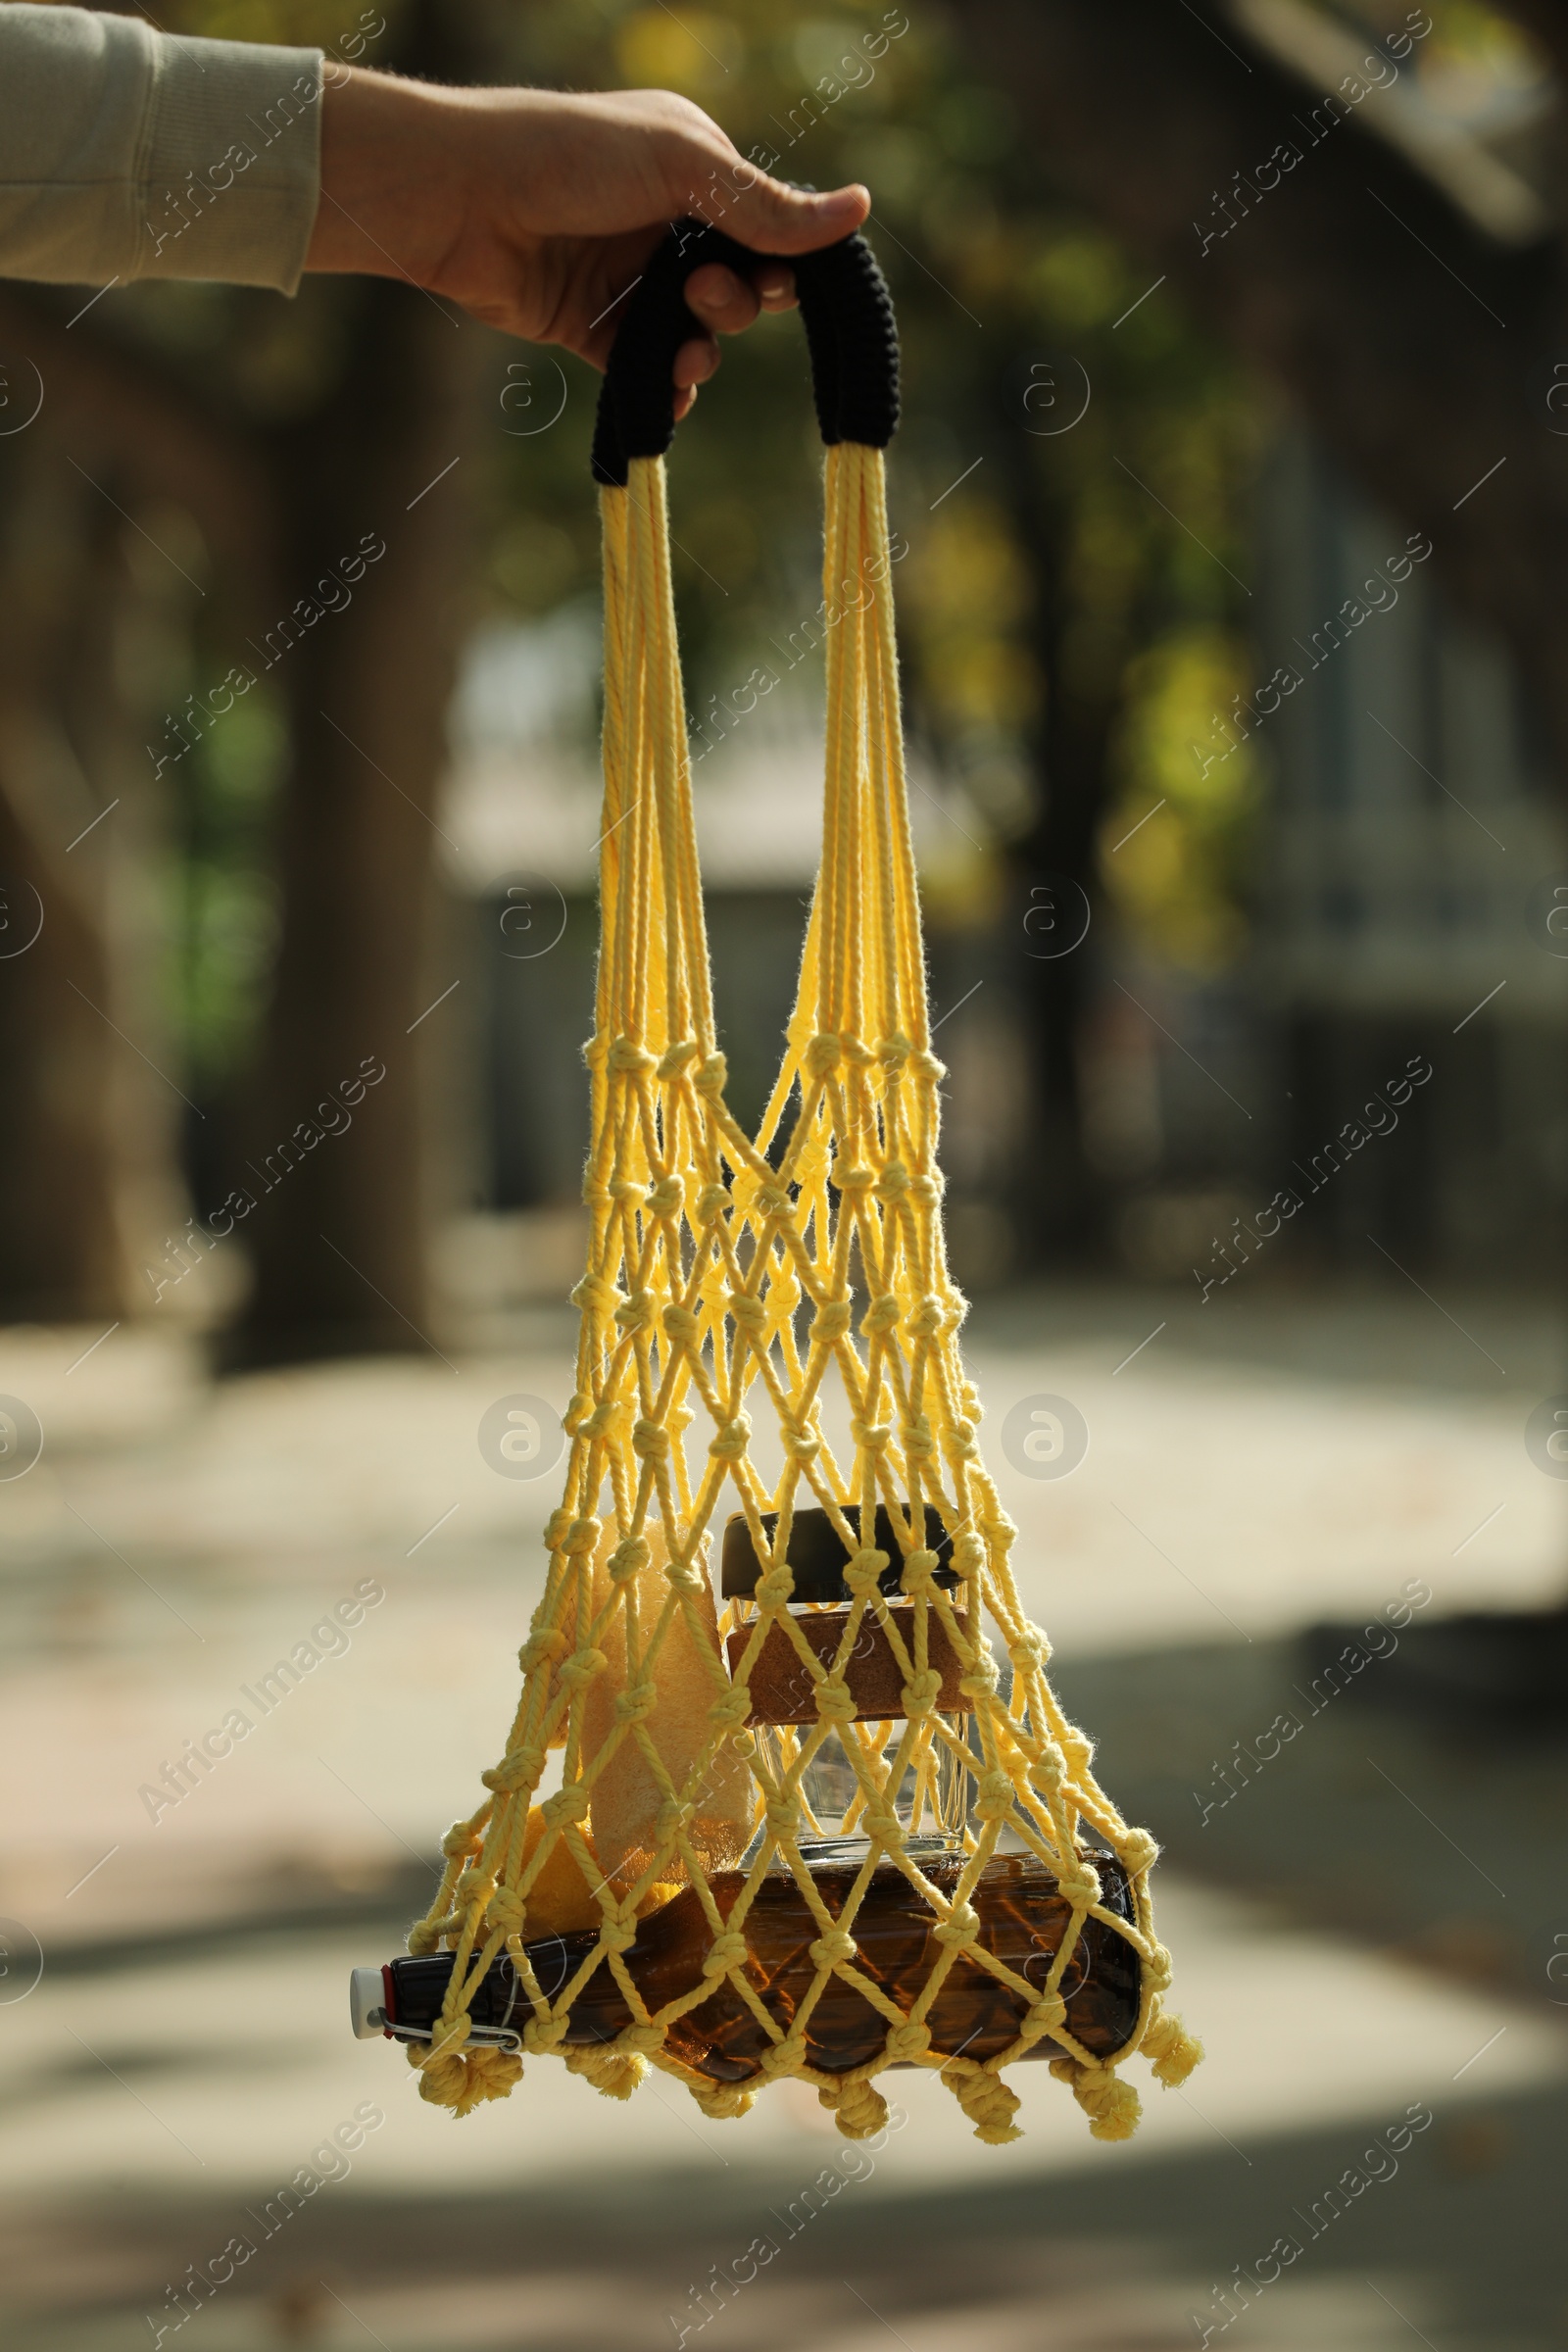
[[1022, 1919]]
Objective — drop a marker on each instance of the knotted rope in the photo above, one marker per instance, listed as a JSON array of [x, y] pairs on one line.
[[717, 1295]]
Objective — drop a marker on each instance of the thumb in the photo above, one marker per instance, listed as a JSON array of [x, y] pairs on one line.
[[772, 217]]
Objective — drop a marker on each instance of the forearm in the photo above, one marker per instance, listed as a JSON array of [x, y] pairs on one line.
[[126, 153]]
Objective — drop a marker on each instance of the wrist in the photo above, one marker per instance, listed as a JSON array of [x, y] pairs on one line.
[[393, 175]]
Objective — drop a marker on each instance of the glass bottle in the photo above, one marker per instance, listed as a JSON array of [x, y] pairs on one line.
[[1022, 1919], [931, 1796]]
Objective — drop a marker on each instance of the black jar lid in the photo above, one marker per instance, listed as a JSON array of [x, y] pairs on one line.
[[817, 1555]]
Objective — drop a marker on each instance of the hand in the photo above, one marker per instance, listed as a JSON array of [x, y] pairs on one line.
[[536, 210]]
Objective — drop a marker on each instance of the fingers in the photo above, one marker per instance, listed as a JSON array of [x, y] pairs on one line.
[[722, 300], [724, 303], [772, 219], [727, 303], [777, 286], [695, 363]]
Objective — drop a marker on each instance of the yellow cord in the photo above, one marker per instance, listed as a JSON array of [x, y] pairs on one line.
[[703, 1248]]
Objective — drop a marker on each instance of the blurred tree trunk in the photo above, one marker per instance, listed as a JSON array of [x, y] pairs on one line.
[[339, 1239], [1067, 1204], [89, 1182], [59, 1254], [59, 1234]]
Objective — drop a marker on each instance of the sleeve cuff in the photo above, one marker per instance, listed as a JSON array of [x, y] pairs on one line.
[[228, 173]]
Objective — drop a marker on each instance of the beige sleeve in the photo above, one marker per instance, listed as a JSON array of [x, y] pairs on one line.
[[126, 153]]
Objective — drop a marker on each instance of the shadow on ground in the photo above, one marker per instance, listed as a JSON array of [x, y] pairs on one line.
[[1445, 1841], [1459, 2244]]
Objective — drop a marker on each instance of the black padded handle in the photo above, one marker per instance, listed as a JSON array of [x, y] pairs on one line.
[[849, 333]]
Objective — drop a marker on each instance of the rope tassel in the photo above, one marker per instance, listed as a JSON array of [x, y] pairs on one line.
[[1172, 2052]]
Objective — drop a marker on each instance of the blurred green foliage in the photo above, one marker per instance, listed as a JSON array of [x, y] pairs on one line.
[[1179, 876]]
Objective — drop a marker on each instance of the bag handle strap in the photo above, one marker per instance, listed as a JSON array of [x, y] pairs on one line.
[[849, 333]]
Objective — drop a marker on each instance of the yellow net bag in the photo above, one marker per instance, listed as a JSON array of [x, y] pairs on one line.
[[806, 1822]]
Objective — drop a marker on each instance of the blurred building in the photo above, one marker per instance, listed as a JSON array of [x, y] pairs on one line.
[[1412, 842], [1412, 835]]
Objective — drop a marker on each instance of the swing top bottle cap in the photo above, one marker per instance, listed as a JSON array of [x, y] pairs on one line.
[[817, 1555], [369, 2001]]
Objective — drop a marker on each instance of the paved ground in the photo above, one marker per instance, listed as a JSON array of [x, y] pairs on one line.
[[1364, 1923]]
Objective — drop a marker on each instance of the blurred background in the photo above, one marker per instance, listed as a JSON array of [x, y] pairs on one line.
[[1231, 509]]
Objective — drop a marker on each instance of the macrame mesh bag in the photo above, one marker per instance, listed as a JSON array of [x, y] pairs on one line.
[[789, 1280]]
